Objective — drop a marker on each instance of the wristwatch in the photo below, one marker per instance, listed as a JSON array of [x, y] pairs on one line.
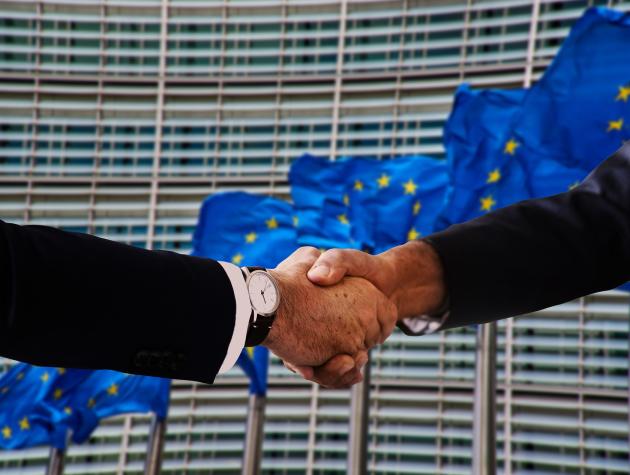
[[264, 297]]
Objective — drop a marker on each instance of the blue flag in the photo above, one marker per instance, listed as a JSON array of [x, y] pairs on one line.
[[579, 112], [255, 364], [28, 414], [245, 229], [364, 203], [106, 393], [39, 405], [488, 167]]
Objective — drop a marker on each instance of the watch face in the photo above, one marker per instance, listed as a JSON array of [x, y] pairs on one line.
[[263, 293]]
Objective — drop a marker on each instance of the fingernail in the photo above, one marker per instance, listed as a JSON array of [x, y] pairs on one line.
[[346, 367], [320, 271]]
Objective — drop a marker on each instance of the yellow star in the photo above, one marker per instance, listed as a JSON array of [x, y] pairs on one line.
[[6, 432], [58, 393], [624, 94], [346, 200], [511, 146], [251, 237], [272, 223], [24, 424], [410, 187], [296, 221], [237, 258], [343, 219], [383, 181], [412, 235], [67, 410], [494, 176], [113, 390], [615, 125], [45, 377], [20, 376], [358, 185], [573, 185], [416, 208], [4, 390], [91, 403], [487, 203]]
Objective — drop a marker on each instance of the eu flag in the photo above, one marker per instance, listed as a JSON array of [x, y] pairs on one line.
[[488, 167], [106, 393], [30, 411], [365, 203], [39, 405], [579, 112], [245, 229], [321, 195]]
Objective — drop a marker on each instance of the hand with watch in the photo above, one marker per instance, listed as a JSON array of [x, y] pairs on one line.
[[306, 324]]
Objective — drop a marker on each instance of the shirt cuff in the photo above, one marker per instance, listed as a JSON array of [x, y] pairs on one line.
[[423, 324], [241, 319]]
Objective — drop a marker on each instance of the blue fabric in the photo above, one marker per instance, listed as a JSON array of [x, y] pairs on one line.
[[366, 204], [255, 368], [106, 393], [38, 405], [578, 113], [29, 415], [245, 229]]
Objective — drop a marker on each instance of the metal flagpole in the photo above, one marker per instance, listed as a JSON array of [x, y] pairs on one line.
[[254, 434], [56, 458], [359, 424], [155, 446], [56, 461], [252, 455], [485, 410]]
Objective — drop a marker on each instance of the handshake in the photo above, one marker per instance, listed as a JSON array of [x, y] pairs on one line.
[[338, 304]]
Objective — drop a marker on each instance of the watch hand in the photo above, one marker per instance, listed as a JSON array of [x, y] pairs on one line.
[[262, 292]]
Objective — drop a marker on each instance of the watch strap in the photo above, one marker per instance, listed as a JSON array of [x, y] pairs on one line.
[[259, 326]]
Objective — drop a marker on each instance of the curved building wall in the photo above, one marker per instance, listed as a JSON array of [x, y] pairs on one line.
[[118, 117]]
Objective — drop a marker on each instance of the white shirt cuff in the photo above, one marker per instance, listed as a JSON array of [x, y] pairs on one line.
[[423, 324], [241, 319]]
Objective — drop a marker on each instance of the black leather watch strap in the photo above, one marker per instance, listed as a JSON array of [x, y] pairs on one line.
[[259, 325]]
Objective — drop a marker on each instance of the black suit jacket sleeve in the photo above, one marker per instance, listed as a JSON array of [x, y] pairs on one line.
[[542, 252], [75, 300]]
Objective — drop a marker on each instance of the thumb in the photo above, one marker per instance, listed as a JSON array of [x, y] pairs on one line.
[[335, 264]]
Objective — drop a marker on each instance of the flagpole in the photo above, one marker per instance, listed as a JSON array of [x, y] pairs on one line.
[[57, 457], [155, 446], [254, 434], [485, 410], [56, 460], [359, 424]]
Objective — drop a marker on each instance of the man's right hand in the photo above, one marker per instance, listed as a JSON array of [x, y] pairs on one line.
[[410, 275]]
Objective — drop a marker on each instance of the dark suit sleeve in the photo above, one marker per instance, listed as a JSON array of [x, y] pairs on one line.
[[75, 300], [542, 252]]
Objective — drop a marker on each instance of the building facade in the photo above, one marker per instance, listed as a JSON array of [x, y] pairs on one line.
[[117, 117]]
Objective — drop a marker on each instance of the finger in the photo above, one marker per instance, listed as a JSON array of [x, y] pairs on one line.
[[387, 316], [332, 372], [305, 371], [334, 264], [305, 255]]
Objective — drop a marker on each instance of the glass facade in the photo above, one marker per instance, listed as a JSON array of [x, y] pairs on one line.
[[118, 117]]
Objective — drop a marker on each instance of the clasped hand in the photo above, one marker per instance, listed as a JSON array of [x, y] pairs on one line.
[[337, 305], [315, 323]]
